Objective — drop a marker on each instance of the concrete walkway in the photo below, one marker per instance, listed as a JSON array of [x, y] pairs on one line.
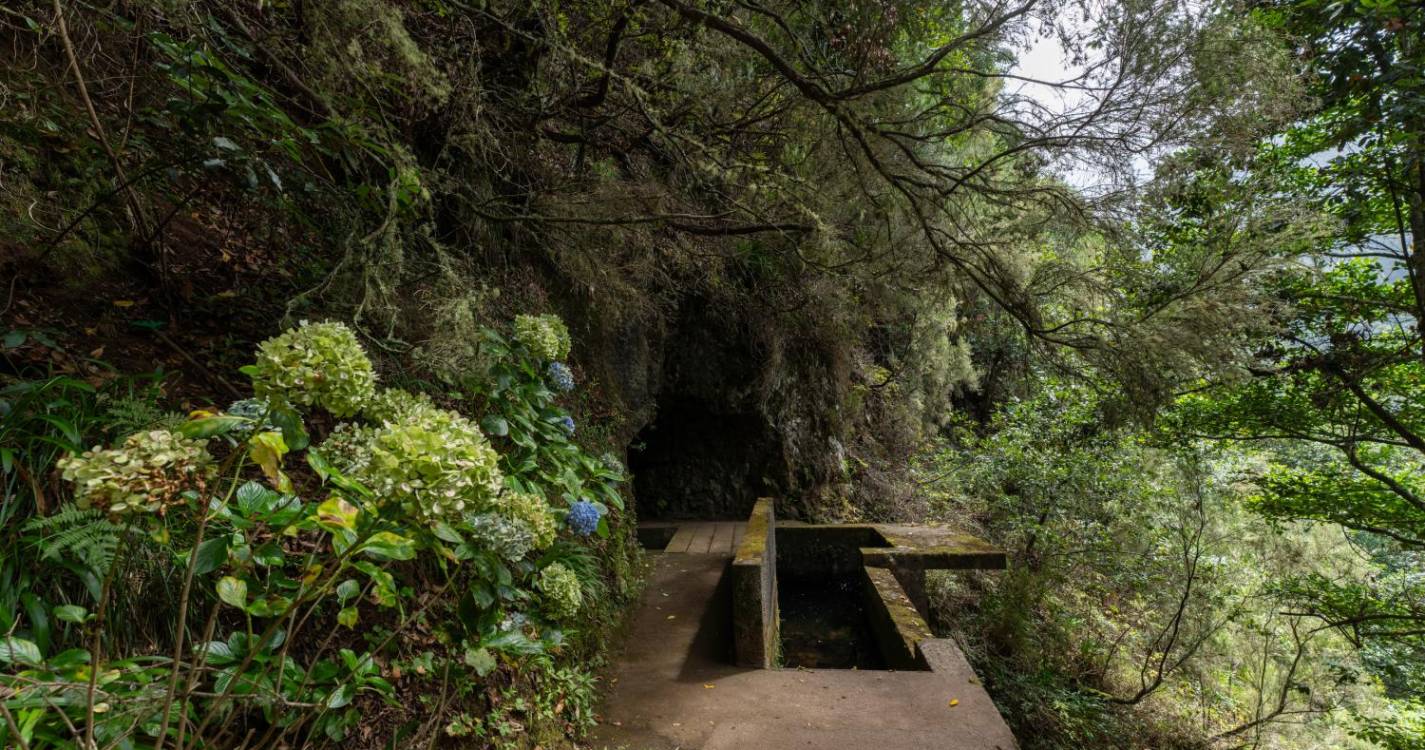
[[674, 687], [701, 537]]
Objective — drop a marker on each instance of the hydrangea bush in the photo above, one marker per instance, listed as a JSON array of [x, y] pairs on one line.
[[413, 492], [148, 473], [562, 594], [545, 336], [315, 364]]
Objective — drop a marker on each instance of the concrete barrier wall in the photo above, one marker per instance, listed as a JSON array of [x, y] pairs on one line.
[[754, 591], [898, 626]]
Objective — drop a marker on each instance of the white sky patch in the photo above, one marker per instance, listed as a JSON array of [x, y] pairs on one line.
[[1061, 90]]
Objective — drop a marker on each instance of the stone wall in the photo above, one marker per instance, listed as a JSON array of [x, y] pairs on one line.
[[755, 630]]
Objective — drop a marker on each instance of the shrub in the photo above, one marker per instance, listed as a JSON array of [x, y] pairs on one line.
[[148, 473], [545, 336], [315, 364], [413, 496]]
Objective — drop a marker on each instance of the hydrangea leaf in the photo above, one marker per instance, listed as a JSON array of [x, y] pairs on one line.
[[336, 513], [211, 555], [19, 650], [210, 426], [389, 546], [267, 450], [233, 591]]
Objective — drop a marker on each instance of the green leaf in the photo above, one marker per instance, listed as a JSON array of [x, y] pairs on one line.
[[389, 546], [482, 595], [70, 613], [445, 533], [219, 653], [335, 514], [18, 650], [69, 659], [253, 497], [347, 589], [293, 431], [267, 450], [211, 554], [481, 660], [513, 642], [39, 619], [341, 696], [268, 554], [496, 426], [347, 617], [233, 591], [207, 427], [329, 473]]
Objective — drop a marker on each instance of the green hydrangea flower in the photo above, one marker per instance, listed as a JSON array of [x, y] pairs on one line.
[[509, 539], [391, 404], [562, 594], [148, 473], [348, 447], [315, 364], [531, 511], [432, 463], [544, 335]]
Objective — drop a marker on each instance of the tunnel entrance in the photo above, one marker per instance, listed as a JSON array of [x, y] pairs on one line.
[[694, 463]]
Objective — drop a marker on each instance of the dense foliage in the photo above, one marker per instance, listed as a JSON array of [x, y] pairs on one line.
[[295, 601], [1155, 323]]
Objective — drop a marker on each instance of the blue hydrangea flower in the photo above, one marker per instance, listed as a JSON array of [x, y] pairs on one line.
[[561, 376], [583, 518], [568, 423]]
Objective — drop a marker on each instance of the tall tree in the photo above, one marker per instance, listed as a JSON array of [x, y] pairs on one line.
[[1340, 388]]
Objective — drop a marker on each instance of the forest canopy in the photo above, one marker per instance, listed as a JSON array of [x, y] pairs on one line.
[[337, 336]]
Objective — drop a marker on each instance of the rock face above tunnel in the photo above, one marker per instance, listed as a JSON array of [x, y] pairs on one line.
[[734, 410]]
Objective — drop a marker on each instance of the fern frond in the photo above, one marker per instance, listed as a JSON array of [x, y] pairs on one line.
[[83, 535]]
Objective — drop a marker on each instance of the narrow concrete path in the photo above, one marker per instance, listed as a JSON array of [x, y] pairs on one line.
[[674, 686]]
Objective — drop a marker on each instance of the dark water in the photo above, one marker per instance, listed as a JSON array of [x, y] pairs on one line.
[[824, 624]]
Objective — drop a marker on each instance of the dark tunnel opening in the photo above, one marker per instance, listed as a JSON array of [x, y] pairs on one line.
[[695, 463]]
